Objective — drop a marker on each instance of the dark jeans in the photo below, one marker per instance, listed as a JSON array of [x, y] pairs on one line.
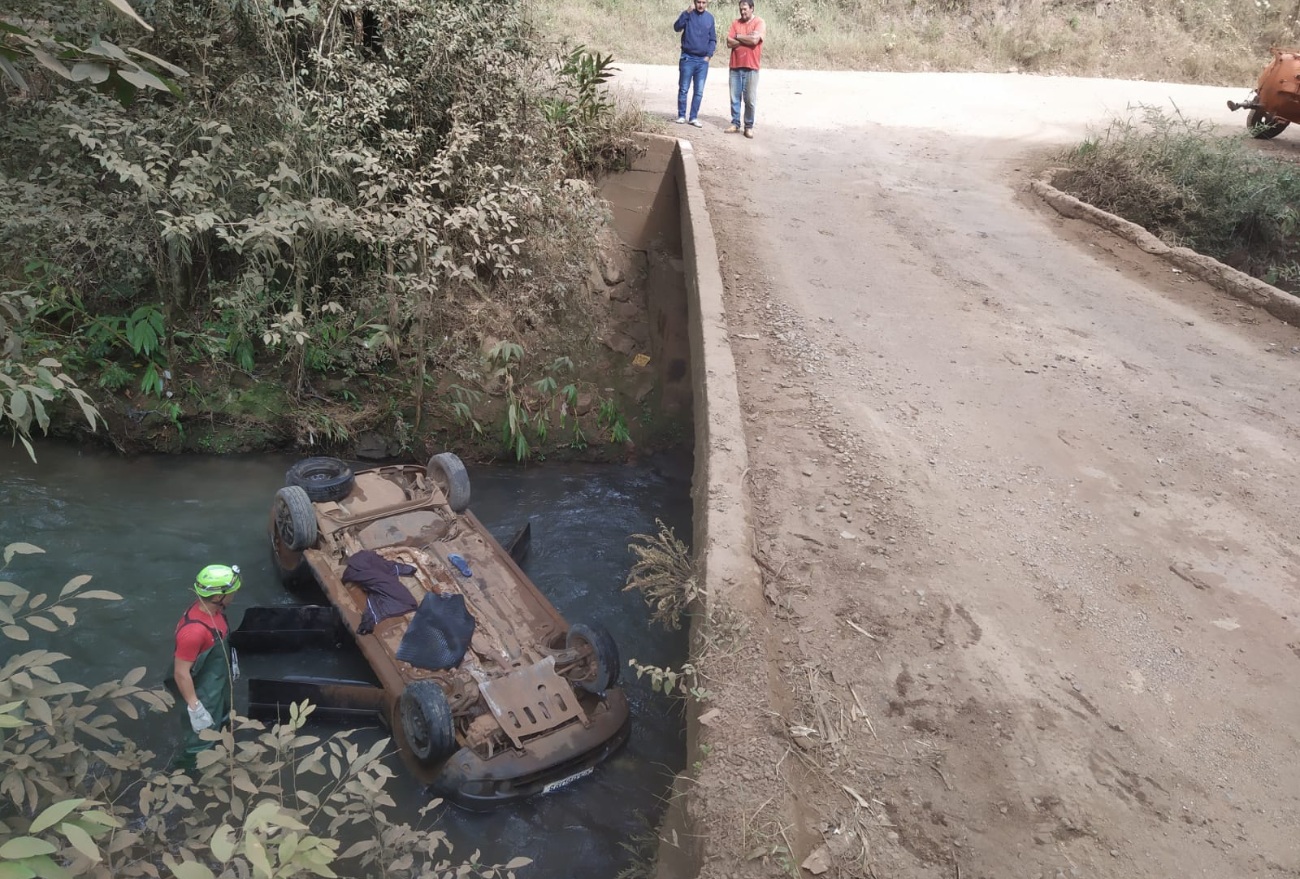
[[691, 69], [744, 82]]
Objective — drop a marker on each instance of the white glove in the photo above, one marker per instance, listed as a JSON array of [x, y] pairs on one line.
[[200, 719], [234, 664]]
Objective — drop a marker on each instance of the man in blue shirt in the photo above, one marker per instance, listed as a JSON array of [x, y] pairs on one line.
[[699, 39]]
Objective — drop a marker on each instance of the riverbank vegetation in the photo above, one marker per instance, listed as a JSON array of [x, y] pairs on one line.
[[320, 224], [78, 797], [1192, 187], [1203, 41]]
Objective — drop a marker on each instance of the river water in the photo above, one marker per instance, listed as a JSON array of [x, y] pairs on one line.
[[144, 526]]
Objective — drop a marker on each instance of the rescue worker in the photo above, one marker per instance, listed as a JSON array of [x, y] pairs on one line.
[[204, 665]]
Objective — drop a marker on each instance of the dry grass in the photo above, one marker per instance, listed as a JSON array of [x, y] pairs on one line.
[[1182, 181], [664, 575], [1203, 41]]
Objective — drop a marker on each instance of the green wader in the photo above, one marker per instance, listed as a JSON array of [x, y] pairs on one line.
[[211, 674]]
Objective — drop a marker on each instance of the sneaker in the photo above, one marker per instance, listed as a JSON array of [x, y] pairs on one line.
[[731, 129], [681, 120], [697, 123], [749, 133]]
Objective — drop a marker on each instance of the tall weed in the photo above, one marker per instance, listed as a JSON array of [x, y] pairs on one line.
[[1177, 178]]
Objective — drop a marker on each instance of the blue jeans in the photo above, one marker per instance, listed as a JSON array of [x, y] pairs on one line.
[[744, 81], [691, 69]]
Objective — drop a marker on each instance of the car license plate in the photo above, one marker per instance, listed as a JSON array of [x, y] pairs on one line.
[[556, 785]]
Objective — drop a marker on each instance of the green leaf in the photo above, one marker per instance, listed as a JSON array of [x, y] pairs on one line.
[[191, 870], [45, 867], [42, 418], [125, 8], [54, 814], [50, 62], [256, 856], [170, 68], [26, 847], [14, 549], [17, 78], [92, 71], [74, 584], [261, 816], [222, 846], [141, 78], [18, 407], [81, 841], [15, 869], [359, 848]]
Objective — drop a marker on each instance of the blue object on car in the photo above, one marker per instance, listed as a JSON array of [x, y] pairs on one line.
[[459, 561]]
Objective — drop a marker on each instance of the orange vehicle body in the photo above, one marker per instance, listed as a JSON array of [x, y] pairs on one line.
[[1275, 103], [1279, 86]]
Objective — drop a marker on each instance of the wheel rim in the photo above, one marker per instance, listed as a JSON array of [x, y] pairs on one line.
[[283, 524], [590, 663], [418, 730], [318, 475]]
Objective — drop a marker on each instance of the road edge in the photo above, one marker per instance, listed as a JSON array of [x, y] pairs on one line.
[[693, 836], [1235, 283]]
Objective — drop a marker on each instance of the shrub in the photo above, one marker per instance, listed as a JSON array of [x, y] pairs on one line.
[[79, 798], [1177, 178], [336, 190]]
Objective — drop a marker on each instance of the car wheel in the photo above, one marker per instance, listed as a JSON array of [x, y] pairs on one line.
[[291, 567], [1264, 125], [294, 519], [427, 722], [324, 479], [448, 472], [603, 667]]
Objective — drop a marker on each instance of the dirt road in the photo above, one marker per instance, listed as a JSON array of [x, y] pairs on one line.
[[1027, 499]]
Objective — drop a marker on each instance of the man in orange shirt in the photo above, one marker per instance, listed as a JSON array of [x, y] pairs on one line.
[[745, 39]]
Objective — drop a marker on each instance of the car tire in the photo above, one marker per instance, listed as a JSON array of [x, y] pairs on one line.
[[1272, 125], [605, 654], [294, 520], [448, 471], [291, 567], [427, 723], [324, 479]]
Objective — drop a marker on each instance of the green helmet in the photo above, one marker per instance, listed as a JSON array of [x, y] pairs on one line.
[[217, 580]]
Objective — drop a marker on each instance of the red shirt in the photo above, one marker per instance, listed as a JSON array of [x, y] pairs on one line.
[[747, 56], [194, 632]]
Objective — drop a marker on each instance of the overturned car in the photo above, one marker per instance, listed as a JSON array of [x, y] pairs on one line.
[[490, 694]]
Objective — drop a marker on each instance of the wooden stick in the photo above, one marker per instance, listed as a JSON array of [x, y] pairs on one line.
[[862, 630]]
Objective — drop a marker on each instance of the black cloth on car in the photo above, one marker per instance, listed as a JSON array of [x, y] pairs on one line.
[[439, 633], [385, 595]]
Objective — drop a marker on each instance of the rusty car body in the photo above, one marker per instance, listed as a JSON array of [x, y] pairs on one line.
[[1275, 103], [533, 703]]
